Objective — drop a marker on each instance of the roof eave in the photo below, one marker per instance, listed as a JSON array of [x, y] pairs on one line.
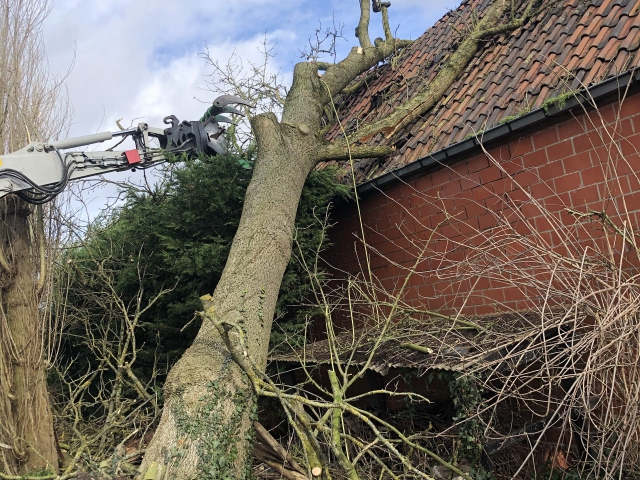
[[598, 94]]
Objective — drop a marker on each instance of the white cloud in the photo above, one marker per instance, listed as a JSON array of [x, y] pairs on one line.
[[139, 58]]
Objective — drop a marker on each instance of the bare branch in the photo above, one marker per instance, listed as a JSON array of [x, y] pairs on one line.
[[362, 30]]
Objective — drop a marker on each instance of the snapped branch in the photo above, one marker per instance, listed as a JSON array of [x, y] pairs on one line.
[[343, 151], [404, 115]]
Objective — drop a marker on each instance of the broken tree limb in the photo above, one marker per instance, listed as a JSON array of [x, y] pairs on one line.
[[264, 435], [454, 66], [340, 151]]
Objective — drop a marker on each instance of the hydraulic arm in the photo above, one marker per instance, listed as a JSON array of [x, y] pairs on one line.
[[40, 171]]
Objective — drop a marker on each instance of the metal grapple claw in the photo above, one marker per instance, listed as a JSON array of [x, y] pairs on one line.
[[377, 5], [222, 105], [206, 135], [224, 100]]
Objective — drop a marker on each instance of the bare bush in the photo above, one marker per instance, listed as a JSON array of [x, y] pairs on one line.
[[547, 384]]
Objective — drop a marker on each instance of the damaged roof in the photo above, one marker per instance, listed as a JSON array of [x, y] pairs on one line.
[[441, 344], [569, 46]]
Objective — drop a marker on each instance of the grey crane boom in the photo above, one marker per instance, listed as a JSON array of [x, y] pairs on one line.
[[40, 171]]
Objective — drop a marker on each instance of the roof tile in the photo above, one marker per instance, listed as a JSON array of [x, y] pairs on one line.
[[577, 41]]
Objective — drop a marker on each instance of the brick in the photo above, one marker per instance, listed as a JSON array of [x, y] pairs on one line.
[[461, 168], [632, 201], [474, 210], [519, 195], [494, 295], [571, 128], [397, 256], [625, 128], [481, 193], [470, 181], [630, 145], [404, 190], [388, 209], [484, 309], [526, 178], [512, 166], [630, 106], [627, 165], [529, 210], [423, 183], [545, 138], [382, 224], [502, 186], [440, 177], [525, 227], [556, 203], [499, 154], [636, 123], [551, 171], [560, 151], [602, 154], [512, 294], [588, 141], [451, 188], [568, 183], [468, 227], [520, 147], [477, 163], [404, 204], [634, 183], [490, 174], [575, 163], [607, 113], [427, 290], [486, 221], [540, 190], [535, 159], [585, 195], [592, 175], [495, 203]]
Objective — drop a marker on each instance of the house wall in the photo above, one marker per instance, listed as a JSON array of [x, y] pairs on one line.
[[585, 162]]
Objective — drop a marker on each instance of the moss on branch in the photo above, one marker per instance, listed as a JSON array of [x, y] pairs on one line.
[[342, 151], [490, 25]]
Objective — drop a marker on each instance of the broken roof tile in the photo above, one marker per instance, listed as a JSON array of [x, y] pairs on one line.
[[570, 43]]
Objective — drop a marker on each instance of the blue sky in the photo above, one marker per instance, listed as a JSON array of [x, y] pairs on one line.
[[138, 59]]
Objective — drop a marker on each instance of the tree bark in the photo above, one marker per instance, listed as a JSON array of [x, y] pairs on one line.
[[206, 426], [26, 424], [208, 399]]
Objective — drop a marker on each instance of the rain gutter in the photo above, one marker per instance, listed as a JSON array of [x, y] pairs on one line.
[[625, 83]]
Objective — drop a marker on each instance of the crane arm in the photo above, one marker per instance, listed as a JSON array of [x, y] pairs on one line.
[[40, 171]]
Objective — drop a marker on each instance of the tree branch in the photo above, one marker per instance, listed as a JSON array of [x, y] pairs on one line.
[[455, 65], [513, 24], [362, 30], [341, 151], [338, 76], [385, 23]]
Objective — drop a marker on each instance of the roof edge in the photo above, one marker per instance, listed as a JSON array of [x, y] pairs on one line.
[[596, 94]]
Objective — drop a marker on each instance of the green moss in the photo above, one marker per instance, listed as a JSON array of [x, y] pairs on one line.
[[41, 472], [216, 434], [558, 101], [507, 119], [473, 134]]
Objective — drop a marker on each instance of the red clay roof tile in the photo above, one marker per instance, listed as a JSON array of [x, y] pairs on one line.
[[575, 42]]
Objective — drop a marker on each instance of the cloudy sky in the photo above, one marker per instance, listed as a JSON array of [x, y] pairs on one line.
[[139, 58]]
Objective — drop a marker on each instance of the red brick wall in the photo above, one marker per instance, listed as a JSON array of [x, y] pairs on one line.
[[571, 164]]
